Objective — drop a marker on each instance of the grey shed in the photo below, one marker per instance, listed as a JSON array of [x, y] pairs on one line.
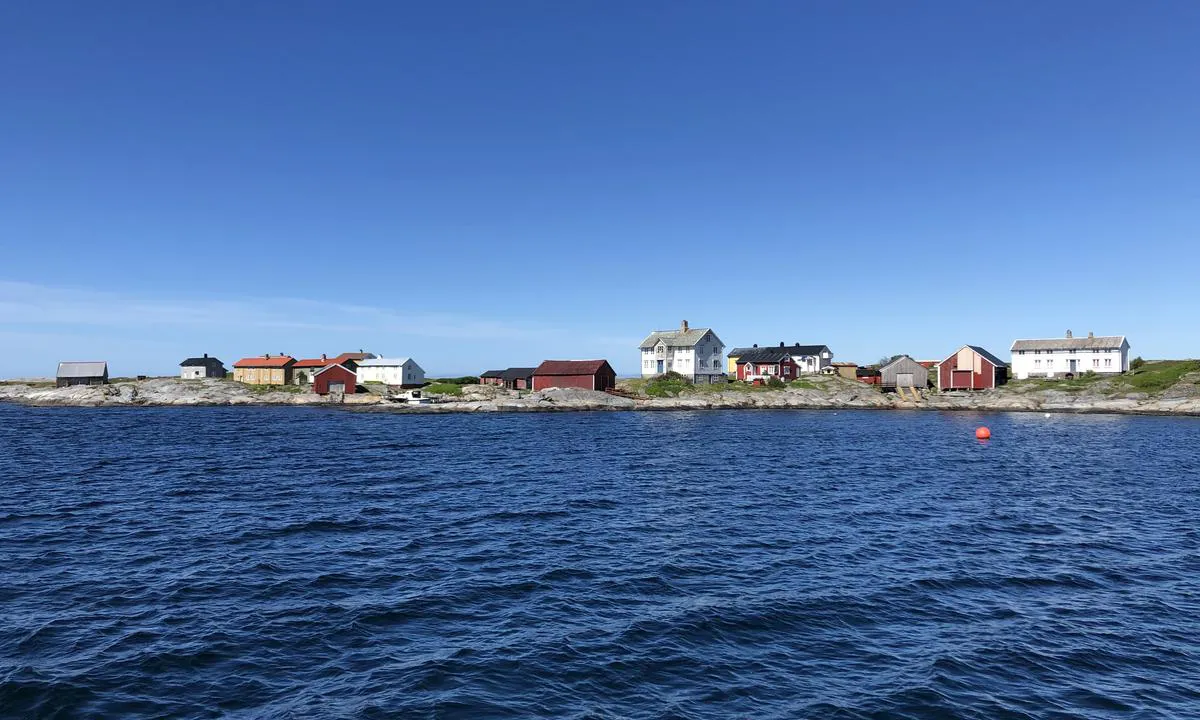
[[82, 373], [904, 372]]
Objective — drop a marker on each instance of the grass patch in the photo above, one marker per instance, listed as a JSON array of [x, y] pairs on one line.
[[1075, 384], [803, 384], [667, 385], [275, 388], [464, 380], [1158, 376], [443, 388]]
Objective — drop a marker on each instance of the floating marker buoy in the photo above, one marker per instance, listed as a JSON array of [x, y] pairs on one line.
[[983, 433], [1047, 414]]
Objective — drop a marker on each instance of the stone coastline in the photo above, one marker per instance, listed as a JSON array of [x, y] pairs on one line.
[[824, 393]]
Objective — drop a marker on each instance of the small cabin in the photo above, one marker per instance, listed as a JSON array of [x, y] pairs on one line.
[[971, 368], [336, 379], [583, 374], [904, 372], [92, 372], [195, 368]]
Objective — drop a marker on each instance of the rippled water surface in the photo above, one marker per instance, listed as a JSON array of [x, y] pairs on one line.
[[313, 563]]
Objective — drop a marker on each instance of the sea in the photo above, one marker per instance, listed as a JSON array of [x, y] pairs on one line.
[[321, 563]]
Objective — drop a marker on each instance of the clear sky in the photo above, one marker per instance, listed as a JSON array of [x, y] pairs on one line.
[[479, 184]]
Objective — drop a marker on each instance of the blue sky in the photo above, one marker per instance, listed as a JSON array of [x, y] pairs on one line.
[[482, 184]]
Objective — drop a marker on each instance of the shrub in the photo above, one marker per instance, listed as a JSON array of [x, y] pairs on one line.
[[774, 382], [667, 385], [1137, 363]]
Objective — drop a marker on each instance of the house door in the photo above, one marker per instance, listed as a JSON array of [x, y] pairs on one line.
[[961, 379], [904, 379], [1073, 364], [337, 388], [660, 367]]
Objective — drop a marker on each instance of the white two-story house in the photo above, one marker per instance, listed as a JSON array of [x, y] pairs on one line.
[[1056, 357], [695, 353], [401, 371]]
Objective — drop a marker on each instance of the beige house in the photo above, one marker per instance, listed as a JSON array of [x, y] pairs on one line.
[[264, 370]]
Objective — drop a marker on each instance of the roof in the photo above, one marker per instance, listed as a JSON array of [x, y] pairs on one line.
[[82, 368], [265, 361], [332, 366], [517, 373], [865, 372], [776, 353], [200, 362], [492, 374], [797, 349], [903, 358], [675, 338], [355, 356], [571, 367], [844, 364], [1107, 342], [314, 362], [990, 357], [383, 362]]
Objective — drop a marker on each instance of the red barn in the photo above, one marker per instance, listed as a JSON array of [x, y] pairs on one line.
[[585, 374], [334, 378], [971, 368]]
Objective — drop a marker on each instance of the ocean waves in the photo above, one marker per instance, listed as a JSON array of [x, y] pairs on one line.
[[291, 563]]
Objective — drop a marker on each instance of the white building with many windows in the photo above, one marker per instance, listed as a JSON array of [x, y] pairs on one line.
[[695, 353], [1058, 357]]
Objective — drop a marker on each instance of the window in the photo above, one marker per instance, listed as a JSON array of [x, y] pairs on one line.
[[1050, 363], [1020, 352], [1107, 362], [1037, 363], [1095, 362]]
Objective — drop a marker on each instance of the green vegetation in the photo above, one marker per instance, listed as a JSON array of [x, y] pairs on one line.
[[804, 384], [1075, 384], [275, 388], [1137, 363], [1154, 377], [444, 388], [667, 385], [464, 380]]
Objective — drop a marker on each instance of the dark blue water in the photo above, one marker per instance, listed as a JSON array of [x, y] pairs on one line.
[[314, 563]]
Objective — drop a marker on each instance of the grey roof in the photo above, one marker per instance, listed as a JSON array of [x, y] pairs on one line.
[[676, 338], [990, 357], [903, 359], [383, 362], [201, 362], [777, 353], [491, 374], [82, 369], [796, 349], [1108, 342], [517, 373]]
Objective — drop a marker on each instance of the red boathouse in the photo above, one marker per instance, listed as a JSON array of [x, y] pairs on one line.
[[583, 374], [971, 368], [335, 378]]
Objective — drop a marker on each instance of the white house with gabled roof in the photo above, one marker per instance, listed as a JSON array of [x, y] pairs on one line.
[[391, 371], [696, 353], [1056, 357]]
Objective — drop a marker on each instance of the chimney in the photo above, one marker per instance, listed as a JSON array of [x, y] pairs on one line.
[[683, 326], [1091, 335], [323, 356], [780, 343], [267, 356], [205, 356], [755, 344], [1069, 335]]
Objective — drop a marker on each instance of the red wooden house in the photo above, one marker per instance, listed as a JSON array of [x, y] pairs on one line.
[[585, 374], [335, 378], [971, 368]]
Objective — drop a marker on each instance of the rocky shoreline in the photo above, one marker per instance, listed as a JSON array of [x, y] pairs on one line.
[[824, 393]]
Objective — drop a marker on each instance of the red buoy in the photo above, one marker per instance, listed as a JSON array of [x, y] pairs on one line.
[[983, 433]]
